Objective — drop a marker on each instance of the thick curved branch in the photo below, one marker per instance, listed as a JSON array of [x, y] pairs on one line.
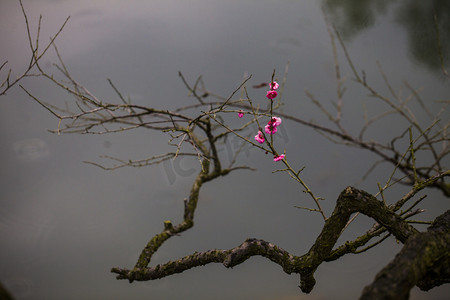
[[169, 230], [351, 200], [190, 206], [424, 261], [229, 258]]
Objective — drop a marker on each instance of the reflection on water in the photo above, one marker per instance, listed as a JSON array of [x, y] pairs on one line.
[[286, 45], [354, 16], [420, 19], [31, 150], [417, 17]]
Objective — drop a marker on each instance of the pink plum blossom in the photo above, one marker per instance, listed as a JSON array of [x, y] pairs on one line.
[[271, 127], [279, 157], [271, 94], [275, 121], [259, 137], [273, 85], [241, 114]]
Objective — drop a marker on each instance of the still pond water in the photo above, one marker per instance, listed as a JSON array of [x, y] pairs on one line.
[[64, 224]]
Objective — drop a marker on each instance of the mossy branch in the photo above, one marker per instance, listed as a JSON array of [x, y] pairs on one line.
[[351, 200], [424, 261]]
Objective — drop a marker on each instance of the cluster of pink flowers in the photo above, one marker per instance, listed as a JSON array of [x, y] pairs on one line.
[[274, 122], [271, 127], [271, 94]]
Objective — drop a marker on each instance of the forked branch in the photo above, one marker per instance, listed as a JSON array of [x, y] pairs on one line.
[[351, 200]]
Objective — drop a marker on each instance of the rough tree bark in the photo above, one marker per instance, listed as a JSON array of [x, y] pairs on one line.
[[423, 261]]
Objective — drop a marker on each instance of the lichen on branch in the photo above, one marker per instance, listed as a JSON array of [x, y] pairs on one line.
[[351, 200]]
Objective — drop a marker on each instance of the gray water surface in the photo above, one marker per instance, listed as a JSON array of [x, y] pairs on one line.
[[64, 224]]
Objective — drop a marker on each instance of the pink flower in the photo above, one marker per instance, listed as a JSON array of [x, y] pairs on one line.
[[241, 114], [279, 157], [275, 121], [271, 127], [259, 137], [271, 94], [273, 85]]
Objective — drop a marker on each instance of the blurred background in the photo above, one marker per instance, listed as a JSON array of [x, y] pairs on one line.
[[64, 223]]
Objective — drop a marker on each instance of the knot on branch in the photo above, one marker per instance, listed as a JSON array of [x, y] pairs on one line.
[[168, 226], [252, 247], [307, 282], [240, 253]]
